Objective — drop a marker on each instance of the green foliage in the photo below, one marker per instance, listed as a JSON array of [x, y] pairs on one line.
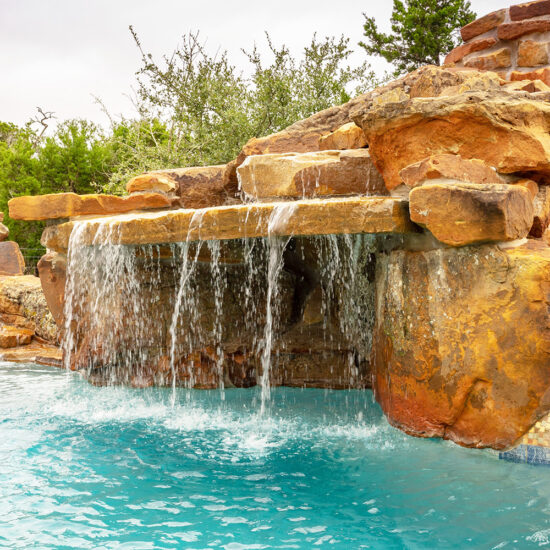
[[422, 31], [74, 159], [198, 109]]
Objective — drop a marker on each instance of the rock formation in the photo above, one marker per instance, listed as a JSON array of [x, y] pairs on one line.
[[436, 295]]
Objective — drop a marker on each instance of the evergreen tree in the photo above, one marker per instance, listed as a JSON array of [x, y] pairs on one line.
[[422, 31]]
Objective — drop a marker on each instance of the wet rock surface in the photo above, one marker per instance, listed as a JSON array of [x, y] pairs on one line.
[[461, 343]]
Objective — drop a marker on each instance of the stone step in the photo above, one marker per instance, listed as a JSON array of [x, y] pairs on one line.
[[303, 217], [66, 205], [11, 337]]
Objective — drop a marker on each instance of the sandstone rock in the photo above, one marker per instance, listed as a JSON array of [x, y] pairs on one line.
[[17, 321], [23, 296], [455, 351], [66, 205], [507, 130], [499, 59], [310, 174], [451, 167], [530, 185], [11, 259], [527, 85], [482, 25], [540, 74], [532, 53], [11, 337], [541, 220], [463, 50], [348, 136], [459, 214], [4, 232], [529, 10], [52, 269], [152, 182], [197, 187], [511, 31]]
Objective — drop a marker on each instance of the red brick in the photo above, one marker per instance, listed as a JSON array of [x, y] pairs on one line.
[[529, 10], [475, 46], [511, 31], [482, 25]]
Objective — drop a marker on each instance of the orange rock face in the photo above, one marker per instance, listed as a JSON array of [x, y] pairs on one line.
[[455, 351], [11, 259], [542, 212], [459, 214], [451, 167], [508, 130], [11, 337], [66, 205]]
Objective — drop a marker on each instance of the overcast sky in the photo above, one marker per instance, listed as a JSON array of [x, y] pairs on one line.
[[58, 54]]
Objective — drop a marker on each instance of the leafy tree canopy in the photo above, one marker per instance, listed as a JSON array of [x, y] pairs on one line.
[[422, 32]]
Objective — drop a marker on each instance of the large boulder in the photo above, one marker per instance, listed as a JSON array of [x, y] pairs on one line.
[[196, 187], [462, 342], [307, 175], [459, 213], [508, 130], [66, 205]]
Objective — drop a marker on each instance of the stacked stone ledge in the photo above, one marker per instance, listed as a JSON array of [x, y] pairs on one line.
[[514, 42]]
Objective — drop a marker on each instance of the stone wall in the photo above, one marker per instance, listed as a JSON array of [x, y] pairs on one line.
[[514, 42]]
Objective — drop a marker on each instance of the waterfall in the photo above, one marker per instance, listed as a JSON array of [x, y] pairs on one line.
[[214, 314]]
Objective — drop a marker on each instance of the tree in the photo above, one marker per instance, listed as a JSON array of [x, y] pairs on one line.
[[422, 31], [197, 109]]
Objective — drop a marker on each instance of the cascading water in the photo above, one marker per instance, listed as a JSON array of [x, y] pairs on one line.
[[219, 313]]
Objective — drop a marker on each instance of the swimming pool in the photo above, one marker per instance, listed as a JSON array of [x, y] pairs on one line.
[[88, 467]]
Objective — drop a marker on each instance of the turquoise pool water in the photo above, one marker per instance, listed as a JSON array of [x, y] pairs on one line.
[[86, 467]]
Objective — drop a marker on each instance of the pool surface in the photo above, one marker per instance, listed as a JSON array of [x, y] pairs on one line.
[[87, 467]]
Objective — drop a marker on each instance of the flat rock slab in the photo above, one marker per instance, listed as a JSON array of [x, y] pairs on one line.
[[11, 259], [458, 213], [35, 352], [67, 205], [303, 217], [309, 175]]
